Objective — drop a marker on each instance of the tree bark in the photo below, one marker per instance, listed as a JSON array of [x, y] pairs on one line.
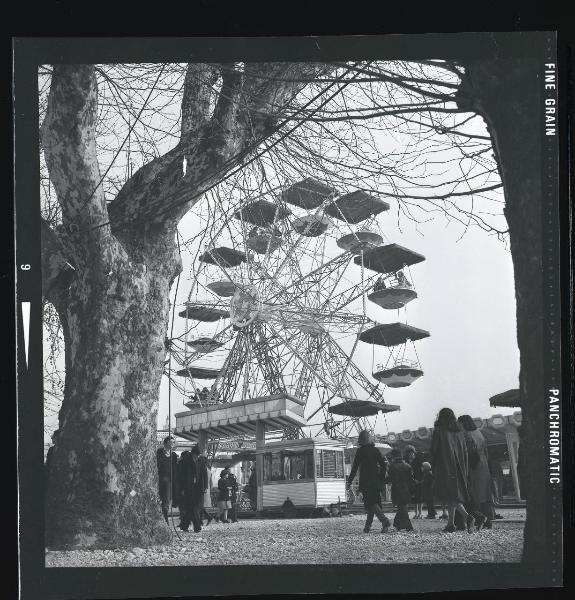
[[108, 271], [507, 94]]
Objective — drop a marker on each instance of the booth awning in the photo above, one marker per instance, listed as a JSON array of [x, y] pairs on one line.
[[510, 398]]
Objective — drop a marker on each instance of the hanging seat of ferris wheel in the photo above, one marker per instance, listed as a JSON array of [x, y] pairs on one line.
[[356, 207], [264, 240], [392, 334], [389, 258], [199, 372], [203, 312], [205, 344], [359, 241], [361, 408], [262, 213], [312, 225], [392, 297], [223, 257], [401, 375], [308, 193]]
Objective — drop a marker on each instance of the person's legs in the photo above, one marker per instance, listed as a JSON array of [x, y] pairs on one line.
[[431, 514], [165, 510], [403, 517], [368, 520], [234, 513], [467, 517], [196, 519], [378, 510]]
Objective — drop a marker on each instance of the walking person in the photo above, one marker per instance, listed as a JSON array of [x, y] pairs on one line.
[[234, 488], [427, 485], [400, 476], [414, 461], [449, 463], [479, 476], [224, 501], [167, 462], [372, 474]]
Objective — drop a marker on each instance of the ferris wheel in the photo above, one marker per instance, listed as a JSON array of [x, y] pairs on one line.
[[278, 304]]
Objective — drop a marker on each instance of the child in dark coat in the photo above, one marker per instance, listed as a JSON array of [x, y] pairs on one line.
[[402, 482], [427, 489]]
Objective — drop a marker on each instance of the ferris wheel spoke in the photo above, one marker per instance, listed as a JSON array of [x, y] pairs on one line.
[[353, 371]]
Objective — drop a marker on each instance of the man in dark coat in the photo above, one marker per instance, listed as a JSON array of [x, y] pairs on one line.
[[167, 476], [193, 482], [402, 482], [372, 473]]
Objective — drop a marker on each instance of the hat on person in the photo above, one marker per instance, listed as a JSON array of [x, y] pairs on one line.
[[425, 466]]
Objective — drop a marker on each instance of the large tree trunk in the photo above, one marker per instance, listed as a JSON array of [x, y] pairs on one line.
[[507, 94], [101, 474], [102, 489]]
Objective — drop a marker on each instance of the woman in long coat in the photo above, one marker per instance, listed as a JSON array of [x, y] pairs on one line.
[[372, 473], [480, 486], [449, 463]]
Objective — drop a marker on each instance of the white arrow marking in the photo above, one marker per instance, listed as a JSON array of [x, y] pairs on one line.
[[26, 324]]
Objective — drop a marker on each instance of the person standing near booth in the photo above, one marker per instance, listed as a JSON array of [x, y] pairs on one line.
[[167, 476], [372, 474]]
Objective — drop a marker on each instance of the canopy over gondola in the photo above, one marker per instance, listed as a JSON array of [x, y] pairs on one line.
[[199, 372], [203, 312], [358, 241], [261, 213], [224, 257], [308, 194], [264, 240], [361, 408], [398, 376], [225, 289], [356, 207], [311, 225], [205, 344], [392, 334], [390, 258]]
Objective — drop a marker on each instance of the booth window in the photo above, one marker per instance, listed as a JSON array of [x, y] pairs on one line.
[[292, 466], [329, 463]]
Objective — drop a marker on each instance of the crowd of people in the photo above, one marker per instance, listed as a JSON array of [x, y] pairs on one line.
[[457, 477], [185, 483]]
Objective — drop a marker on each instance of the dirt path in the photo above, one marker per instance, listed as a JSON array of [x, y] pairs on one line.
[[312, 541]]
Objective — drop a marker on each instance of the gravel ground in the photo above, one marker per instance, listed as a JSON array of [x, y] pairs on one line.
[[333, 540]]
